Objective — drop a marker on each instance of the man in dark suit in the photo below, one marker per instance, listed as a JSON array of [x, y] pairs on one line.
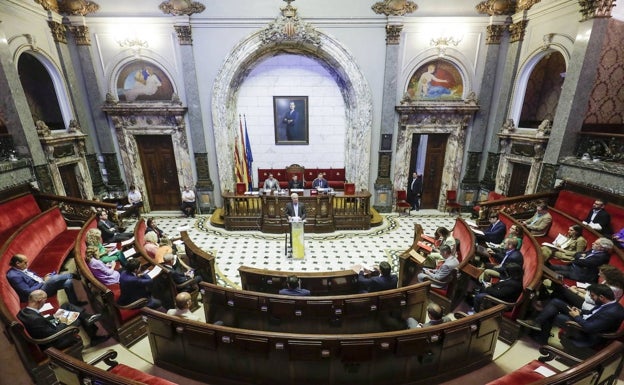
[[512, 255], [599, 219], [134, 286], [179, 273], [320, 181], [110, 232], [294, 182], [291, 123], [495, 232], [384, 281], [294, 209], [605, 317], [414, 190], [40, 327], [507, 289], [293, 287], [584, 266], [24, 281]]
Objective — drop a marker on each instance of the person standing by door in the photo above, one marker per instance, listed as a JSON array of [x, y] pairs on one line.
[[414, 190]]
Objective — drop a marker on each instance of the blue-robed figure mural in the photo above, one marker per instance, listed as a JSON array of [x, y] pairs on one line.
[[437, 79]]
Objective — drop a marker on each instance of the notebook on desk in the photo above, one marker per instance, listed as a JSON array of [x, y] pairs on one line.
[[417, 256]]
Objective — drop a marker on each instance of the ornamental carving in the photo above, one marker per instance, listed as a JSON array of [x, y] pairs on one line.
[[48, 5], [525, 5], [394, 7], [77, 7], [58, 32], [596, 8], [495, 33], [185, 35], [393, 34], [181, 7], [289, 28], [496, 7], [81, 34], [517, 31]]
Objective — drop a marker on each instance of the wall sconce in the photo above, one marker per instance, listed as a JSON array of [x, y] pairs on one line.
[[134, 44], [443, 42]]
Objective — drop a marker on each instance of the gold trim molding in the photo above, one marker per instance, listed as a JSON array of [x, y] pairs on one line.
[[58, 32], [184, 33], [495, 33], [81, 34], [393, 34], [394, 7], [181, 7], [517, 31], [496, 7], [290, 28]]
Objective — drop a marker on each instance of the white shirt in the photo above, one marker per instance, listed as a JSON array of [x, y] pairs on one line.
[[134, 196], [188, 196]]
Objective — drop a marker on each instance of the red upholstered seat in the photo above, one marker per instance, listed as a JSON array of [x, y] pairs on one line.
[[523, 375], [402, 205], [451, 202], [137, 375]]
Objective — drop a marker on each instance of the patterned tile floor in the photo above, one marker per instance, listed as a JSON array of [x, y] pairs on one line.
[[324, 252]]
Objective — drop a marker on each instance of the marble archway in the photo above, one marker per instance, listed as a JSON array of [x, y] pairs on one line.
[[288, 34]]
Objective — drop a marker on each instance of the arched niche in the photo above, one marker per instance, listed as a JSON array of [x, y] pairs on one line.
[[335, 58]]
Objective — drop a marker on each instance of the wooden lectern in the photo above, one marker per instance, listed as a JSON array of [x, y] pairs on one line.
[[296, 236]]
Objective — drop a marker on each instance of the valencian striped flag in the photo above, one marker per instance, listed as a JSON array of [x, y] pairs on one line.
[[248, 157], [240, 165]]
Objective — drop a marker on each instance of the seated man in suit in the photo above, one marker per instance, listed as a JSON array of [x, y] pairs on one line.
[[539, 223], [110, 232], [179, 273], [294, 182], [495, 233], [134, 286], [183, 303], [584, 266], [384, 281], [507, 289], [271, 183], [511, 255], [24, 281], [599, 219], [39, 326], [443, 273], [320, 181], [436, 317], [605, 317], [293, 287]]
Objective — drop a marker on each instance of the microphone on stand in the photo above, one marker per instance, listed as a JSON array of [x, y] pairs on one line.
[[286, 244]]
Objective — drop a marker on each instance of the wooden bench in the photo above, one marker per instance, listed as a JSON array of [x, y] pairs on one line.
[[74, 371], [319, 283], [532, 280], [602, 368], [355, 313], [220, 354], [455, 290], [335, 177], [124, 323]]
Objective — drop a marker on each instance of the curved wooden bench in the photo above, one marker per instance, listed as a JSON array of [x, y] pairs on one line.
[[220, 354], [319, 283], [355, 313], [124, 323]]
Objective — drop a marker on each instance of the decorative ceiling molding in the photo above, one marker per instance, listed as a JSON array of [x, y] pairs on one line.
[[69, 7], [525, 5], [290, 28], [496, 7], [394, 7], [181, 7]]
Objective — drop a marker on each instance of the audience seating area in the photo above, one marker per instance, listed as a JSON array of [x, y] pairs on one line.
[[319, 283], [345, 314], [335, 176], [220, 354]]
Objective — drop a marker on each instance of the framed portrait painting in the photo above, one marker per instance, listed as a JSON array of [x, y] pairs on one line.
[[290, 114]]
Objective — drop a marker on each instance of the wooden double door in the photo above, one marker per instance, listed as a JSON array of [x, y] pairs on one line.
[[159, 171], [433, 167]]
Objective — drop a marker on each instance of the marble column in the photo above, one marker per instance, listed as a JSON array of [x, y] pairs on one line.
[[88, 105], [388, 115], [196, 123], [572, 106], [14, 106], [501, 109], [476, 158]]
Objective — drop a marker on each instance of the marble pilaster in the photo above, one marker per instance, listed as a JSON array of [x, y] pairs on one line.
[[44, 178], [114, 179], [195, 118]]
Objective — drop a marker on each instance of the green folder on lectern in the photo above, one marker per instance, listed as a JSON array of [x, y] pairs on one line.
[[298, 248]]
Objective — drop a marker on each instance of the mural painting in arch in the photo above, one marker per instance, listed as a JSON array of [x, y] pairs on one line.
[[141, 80], [436, 80]]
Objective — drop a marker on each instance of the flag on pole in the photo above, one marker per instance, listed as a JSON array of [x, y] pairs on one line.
[[239, 165], [249, 157]]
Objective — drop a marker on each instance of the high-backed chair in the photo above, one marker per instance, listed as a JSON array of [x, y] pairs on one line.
[[451, 202], [402, 205], [295, 169]]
